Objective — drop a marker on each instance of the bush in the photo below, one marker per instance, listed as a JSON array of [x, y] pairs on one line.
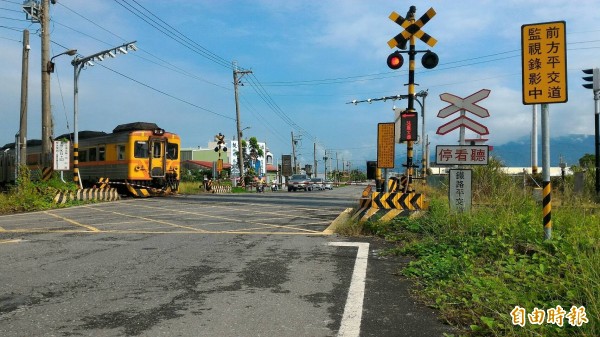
[[27, 195]]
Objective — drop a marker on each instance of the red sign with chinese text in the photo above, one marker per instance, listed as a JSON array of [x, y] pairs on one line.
[[408, 126]]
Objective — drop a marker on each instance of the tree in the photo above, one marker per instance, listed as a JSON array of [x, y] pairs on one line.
[[587, 161], [358, 175], [251, 151]]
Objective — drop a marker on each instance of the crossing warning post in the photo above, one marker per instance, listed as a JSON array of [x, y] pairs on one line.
[[544, 68]]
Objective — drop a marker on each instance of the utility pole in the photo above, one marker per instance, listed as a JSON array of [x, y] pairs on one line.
[[24, 87], [337, 167], [295, 160], [325, 165], [315, 159], [46, 112], [236, 82]]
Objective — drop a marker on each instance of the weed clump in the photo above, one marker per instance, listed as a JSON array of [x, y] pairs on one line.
[[483, 268]]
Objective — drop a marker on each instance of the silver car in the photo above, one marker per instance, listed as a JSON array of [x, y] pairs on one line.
[[317, 183]]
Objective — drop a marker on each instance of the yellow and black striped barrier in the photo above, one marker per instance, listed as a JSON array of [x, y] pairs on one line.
[[47, 173], [388, 205], [104, 182], [393, 200], [140, 191], [106, 194], [547, 208]]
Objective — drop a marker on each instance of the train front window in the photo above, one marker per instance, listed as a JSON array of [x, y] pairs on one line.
[[101, 153], [92, 154], [141, 150], [156, 150], [172, 151], [82, 156], [120, 152]]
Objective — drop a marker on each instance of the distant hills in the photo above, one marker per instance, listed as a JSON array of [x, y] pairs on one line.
[[571, 147]]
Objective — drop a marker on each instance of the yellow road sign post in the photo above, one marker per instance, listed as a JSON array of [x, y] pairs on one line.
[[544, 67], [544, 63]]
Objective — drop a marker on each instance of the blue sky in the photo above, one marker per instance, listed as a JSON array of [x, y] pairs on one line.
[[308, 59]]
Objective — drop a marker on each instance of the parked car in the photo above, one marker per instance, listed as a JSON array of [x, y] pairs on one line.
[[327, 185], [317, 183], [299, 182]]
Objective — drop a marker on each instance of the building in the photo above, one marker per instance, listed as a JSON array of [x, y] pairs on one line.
[[202, 158], [263, 165]]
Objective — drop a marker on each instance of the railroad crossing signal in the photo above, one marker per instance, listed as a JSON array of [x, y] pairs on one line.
[[411, 29], [462, 105], [467, 103], [220, 138]]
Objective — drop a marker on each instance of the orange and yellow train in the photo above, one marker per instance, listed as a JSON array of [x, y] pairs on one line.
[[135, 155]]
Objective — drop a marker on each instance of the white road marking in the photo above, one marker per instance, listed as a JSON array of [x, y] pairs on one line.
[[350, 326]]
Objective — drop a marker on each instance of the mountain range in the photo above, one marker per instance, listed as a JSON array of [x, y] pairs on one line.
[[570, 148]]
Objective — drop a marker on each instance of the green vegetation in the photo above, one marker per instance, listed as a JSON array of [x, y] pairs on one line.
[[28, 196], [477, 267]]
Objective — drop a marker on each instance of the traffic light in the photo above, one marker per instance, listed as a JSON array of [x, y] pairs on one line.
[[395, 60], [430, 60], [595, 79], [371, 169], [220, 138]]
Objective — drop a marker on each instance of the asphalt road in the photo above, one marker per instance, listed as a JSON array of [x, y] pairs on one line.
[[208, 265]]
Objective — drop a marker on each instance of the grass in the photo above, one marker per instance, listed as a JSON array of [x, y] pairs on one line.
[[477, 267], [26, 196]]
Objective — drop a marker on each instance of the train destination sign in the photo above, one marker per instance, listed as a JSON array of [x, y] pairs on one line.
[[462, 154]]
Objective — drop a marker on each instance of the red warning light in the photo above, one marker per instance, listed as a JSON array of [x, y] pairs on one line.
[[395, 60]]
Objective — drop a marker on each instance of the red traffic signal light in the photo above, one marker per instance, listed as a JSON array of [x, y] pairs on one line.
[[395, 60]]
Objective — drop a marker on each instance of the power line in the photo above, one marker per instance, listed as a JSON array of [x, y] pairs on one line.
[[166, 65], [391, 74], [273, 130], [212, 55], [167, 94], [174, 34]]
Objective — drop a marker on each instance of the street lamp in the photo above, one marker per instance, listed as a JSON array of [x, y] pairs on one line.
[[78, 65], [50, 66], [241, 133]]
